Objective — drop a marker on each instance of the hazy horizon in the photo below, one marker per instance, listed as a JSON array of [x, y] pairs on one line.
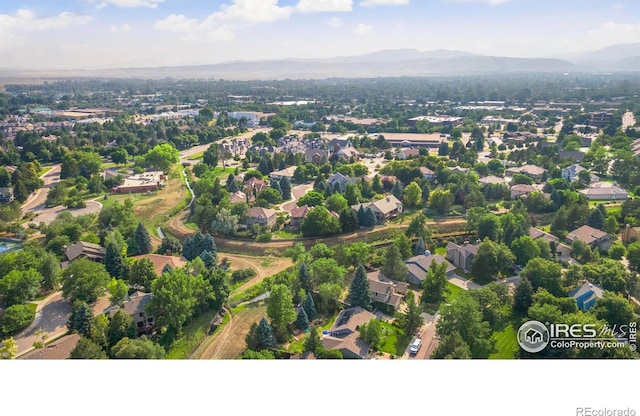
[[100, 34]]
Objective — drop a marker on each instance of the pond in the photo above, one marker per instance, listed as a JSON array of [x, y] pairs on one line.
[[4, 246]]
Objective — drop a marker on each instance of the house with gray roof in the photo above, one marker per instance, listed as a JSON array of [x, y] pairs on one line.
[[344, 334], [418, 266], [604, 191], [461, 256], [261, 216], [82, 249], [385, 290], [571, 173], [532, 171], [385, 208]]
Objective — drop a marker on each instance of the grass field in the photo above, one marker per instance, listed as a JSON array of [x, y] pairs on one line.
[[394, 340], [454, 292], [506, 343], [192, 335]]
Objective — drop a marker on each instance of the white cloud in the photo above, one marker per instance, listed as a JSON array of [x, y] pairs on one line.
[[611, 33], [26, 21], [363, 29], [334, 22], [317, 6], [373, 3], [121, 29], [221, 25], [128, 4]]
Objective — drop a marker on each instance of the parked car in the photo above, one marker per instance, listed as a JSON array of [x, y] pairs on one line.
[[415, 346]]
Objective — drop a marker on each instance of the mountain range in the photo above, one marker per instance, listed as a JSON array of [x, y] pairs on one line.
[[386, 63]]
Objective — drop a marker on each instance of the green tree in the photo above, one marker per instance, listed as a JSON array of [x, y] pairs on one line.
[[162, 156], [280, 310], [142, 273], [264, 335], [617, 251], [491, 259], [412, 320], [371, 332], [441, 200], [137, 348], [328, 296], [489, 226], [8, 349], [84, 280], [305, 278], [596, 219], [142, 239], [546, 274], [211, 156], [313, 341], [434, 285], [525, 249], [464, 317], [311, 199], [336, 203], [352, 193], [523, 297], [452, 346], [348, 221], [114, 262], [394, 267], [420, 247], [359, 291], [302, 320], [120, 326], [81, 318], [16, 318], [614, 309], [633, 256], [87, 349], [309, 307], [412, 195], [117, 290], [285, 187], [611, 225], [319, 222], [20, 286]]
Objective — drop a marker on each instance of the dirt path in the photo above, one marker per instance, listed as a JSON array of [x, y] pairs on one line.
[[229, 343]]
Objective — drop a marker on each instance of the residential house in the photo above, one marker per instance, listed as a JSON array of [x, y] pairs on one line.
[[344, 334], [385, 208], [339, 181], [261, 216], [82, 249], [532, 171], [253, 186], [604, 191], [492, 180], [298, 214], [571, 173], [284, 173], [458, 169], [427, 173], [337, 144], [238, 197], [462, 256], [6, 195], [135, 307], [593, 237], [520, 190], [586, 295], [385, 290], [317, 156], [418, 266], [56, 350], [144, 182], [561, 250], [160, 261], [630, 234], [574, 155], [404, 154]]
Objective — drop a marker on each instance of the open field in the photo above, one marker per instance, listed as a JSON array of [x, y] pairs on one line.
[[506, 343]]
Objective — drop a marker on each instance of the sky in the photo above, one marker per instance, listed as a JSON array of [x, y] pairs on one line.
[[96, 34]]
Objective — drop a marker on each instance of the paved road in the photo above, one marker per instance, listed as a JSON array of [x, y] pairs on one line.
[[35, 202], [297, 192], [186, 154], [52, 315], [429, 339], [628, 120], [47, 215]]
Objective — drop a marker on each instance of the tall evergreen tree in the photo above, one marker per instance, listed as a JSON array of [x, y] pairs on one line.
[[309, 307], [209, 244], [208, 259], [81, 318], [302, 320], [232, 186], [359, 291], [523, 297], [313, 341], [348, 220], [420, 248], [142, 239], [114, 262], [275, 184], [397, 190], [596, 219], [362, 216], [394, 266], [370, 218], [265, 335], [285, 187], [305, 278]]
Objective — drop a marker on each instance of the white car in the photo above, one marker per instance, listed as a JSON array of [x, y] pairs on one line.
[[415, 346]]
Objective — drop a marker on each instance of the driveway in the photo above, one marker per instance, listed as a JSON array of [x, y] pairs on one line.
[[296, 192], [52, 315], [35, 201], [430, 340], [463, 283]]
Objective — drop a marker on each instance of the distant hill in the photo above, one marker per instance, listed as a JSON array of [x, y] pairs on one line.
[[385, 63]]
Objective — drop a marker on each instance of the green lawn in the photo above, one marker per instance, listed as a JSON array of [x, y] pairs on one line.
[[441, 250], [394, 340], [297, 347], [506, 343], [192, 335], [454, 292], [223, 173], [286, 234]]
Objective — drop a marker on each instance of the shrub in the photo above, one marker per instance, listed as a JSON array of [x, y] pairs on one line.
[[243, 274], [264, 237], [17, 318]]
